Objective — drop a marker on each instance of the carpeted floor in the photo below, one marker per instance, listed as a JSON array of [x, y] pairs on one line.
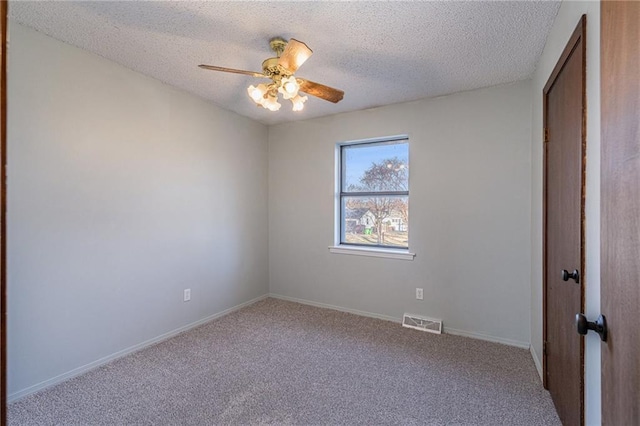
[[278, 362]]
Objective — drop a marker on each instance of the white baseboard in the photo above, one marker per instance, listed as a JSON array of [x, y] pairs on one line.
[[92, 365], [486, 337], [471, 334], [336, 308], [536, 361], [85, 368]]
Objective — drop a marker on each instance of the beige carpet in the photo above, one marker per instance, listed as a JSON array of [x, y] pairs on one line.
[[279, 362]]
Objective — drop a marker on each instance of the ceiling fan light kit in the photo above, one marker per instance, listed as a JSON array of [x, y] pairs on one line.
[[280, 69]]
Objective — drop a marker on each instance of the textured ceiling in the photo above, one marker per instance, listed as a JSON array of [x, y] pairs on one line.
[[379, 53]]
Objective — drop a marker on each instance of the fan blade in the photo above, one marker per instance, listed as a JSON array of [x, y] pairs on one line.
[[321, 91], [294, 55], [214, 68]]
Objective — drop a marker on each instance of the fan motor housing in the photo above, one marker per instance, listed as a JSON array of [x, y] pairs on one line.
[[271, 69]]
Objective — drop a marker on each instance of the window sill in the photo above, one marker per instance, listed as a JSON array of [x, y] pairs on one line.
[[373, 252]]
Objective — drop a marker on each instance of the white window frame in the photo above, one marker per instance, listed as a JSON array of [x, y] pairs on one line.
[[357, 250]]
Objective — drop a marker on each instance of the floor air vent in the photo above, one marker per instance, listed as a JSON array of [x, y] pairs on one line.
[[422, 323]]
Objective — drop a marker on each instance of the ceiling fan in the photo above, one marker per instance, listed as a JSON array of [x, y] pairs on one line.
[[289, 57]]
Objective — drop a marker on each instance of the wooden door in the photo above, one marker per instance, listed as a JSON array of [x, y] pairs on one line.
[[620, 211], [564, 120]]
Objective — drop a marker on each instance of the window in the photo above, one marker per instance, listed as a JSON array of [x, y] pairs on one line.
[[374, 193]]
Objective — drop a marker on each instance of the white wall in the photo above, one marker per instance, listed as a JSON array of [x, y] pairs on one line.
[[122, 192], [469, 213], [565, 23]]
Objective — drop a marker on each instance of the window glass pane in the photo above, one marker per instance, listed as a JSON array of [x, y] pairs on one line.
[[376, 221], [375, 167]]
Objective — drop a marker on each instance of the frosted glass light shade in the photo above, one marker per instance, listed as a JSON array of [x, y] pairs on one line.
[[271, 103], [298, 102], [257, 93], [289, 87]]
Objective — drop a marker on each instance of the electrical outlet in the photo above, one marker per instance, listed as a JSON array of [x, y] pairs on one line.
[[187, 294], [419, 293]]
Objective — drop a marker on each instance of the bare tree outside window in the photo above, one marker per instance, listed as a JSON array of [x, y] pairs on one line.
[[375, 194]]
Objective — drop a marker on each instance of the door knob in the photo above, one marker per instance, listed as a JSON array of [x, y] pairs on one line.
[[575, 275], [599, 326]]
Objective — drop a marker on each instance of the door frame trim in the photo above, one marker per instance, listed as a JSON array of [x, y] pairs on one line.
[[577, 37], [3, 211]]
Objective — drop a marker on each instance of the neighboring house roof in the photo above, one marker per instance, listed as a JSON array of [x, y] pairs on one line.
[[355, 213]]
